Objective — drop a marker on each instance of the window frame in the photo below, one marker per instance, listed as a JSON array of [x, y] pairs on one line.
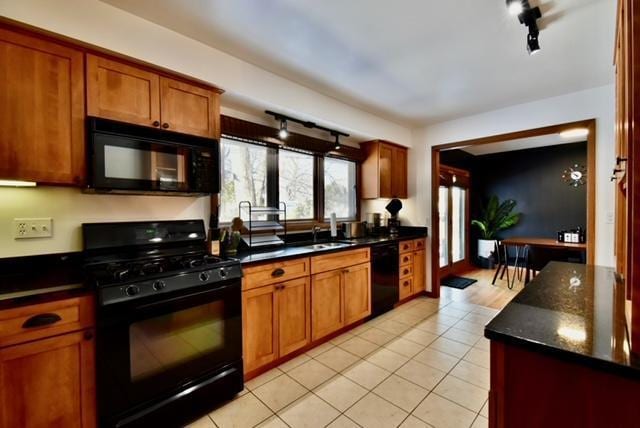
[[273, 183]]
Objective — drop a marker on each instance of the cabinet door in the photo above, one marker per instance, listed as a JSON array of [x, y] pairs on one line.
[[121, 92], [327, 312], [385, 170], [357, 293], [41, 110], [419, 272], [49, 382], [294, 315], [259, 324], [189, 109], [399, 173]]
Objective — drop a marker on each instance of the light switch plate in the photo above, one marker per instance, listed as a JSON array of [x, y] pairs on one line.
[[26, 228], [611, 217]]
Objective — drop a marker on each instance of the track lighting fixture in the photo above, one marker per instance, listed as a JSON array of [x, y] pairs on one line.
[[337, 145], [528, 16], [533, 46], [514, 7], [283, 133]]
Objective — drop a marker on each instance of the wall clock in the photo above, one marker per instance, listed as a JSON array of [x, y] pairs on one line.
[[575, 175]]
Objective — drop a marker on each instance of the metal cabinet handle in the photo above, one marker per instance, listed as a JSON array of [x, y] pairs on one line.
[[41, 320], [406, 283], [406, 259], [277, 273], [406, 271], [156, 123], [165, 125]]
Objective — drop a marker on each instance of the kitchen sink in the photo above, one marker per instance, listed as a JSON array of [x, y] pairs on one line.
[[326, 245]]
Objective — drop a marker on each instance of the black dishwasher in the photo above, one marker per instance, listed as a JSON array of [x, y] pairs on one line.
[[384, 283]]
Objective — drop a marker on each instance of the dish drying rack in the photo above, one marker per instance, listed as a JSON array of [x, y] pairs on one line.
[[263, 232]]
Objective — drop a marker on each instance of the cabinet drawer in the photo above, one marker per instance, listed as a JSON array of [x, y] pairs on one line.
[[339, 260], [406, 247], [419, 244], [406, 287], [271, 273], [33, 322], [406, 271], [406, 259]]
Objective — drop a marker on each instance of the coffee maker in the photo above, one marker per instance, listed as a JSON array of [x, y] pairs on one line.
[[393, 223]]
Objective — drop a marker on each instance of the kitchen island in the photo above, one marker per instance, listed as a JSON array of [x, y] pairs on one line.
[[560, 353]]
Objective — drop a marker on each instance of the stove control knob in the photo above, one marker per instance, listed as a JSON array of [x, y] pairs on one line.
[[204, 276], [159, 285], [223, 273], [132, 290]]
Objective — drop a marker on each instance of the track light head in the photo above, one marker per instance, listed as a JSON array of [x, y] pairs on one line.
[[283, 133], [337, 145], [515, 7], [533, 45]]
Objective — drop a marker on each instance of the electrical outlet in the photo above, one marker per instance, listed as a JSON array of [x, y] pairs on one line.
[[611, 217], [26, 228]]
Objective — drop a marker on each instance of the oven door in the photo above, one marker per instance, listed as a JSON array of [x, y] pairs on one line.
[[149, 350], [124, 163]]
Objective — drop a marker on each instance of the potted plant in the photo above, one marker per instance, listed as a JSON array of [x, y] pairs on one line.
[[495, 217]]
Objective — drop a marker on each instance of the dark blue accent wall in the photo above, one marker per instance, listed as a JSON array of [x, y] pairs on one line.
[[532, 177]]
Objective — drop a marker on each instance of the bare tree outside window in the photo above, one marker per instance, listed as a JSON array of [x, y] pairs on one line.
[[244, 177], [296, 183], [339, 188]]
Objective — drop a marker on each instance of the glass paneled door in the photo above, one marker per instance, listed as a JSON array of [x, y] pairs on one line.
[[453, 222]]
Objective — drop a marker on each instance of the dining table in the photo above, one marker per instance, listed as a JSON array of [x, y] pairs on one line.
[[521, 244]]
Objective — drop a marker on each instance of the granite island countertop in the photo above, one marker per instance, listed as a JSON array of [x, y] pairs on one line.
[[572, 311]]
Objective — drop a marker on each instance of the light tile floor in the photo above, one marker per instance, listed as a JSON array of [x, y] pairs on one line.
[[424, 364]]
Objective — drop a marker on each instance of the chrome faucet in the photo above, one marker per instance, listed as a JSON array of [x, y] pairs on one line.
[[315, 231]]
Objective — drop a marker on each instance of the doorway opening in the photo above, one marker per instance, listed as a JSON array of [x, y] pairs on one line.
[[450, 202]]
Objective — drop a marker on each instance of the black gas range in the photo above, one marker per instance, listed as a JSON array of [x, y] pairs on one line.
[[169, 322]]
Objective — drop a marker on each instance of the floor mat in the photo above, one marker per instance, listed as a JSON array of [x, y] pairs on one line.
[[457, 282]]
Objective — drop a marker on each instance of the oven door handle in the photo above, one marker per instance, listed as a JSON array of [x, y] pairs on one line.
[[163, 302]]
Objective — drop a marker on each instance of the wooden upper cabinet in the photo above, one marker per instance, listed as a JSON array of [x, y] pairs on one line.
[[41, 110], [121, 92], [384, 171], [189, 109], [132, 94], [357, 293]]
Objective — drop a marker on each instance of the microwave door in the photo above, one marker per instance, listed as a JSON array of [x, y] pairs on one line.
[[129, 164]]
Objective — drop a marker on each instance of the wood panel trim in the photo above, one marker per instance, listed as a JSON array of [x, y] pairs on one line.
[[553, 129], [244, 129]]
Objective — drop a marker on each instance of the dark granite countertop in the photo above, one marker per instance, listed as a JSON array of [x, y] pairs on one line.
[[33, 279], [572, 311], [291, 251]]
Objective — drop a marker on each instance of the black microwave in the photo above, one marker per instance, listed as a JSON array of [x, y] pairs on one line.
[[125, 158]]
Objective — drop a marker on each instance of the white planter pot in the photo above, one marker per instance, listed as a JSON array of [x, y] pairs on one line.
[[486, 247]]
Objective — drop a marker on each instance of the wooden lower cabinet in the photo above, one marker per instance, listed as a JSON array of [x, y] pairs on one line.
[[49, 382], [419, 272], [259, 325], [276, 321], [327, 303], [357, 293], [294, 315], [340, 297]]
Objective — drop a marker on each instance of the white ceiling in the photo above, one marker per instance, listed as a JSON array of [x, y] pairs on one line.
[[520, 144], [413, 61]]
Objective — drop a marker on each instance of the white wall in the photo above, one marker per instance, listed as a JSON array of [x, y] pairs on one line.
[[597, 103]]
